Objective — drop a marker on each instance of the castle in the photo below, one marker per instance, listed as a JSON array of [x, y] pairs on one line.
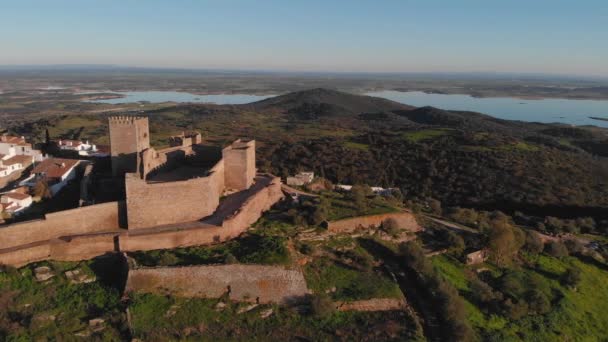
[[174, 185], [172, 200]]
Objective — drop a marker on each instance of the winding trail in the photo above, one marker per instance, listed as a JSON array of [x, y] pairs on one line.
[[415, 293]]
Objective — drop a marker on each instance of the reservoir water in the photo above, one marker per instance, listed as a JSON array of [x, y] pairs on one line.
[[574, 112], [176, 96]]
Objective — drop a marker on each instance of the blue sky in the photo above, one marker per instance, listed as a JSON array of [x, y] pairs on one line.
[[536, 36]]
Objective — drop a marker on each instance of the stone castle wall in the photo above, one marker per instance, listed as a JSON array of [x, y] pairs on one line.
[[405, 220], [153, 160], [95, 218], [155, 204], [264, 284], [253, 208], [72, 243], [239, 159], [207, 232]]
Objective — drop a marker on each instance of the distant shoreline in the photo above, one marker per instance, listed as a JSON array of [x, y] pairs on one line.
[[598, 118]]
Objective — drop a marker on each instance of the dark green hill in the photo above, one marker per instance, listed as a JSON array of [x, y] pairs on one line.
[[320, 102]]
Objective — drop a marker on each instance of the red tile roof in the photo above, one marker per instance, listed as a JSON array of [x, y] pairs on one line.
[[21, 159], [55, 167], [16, 195], [12, 139]]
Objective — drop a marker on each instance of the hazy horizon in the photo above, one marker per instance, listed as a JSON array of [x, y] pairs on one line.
[[561, 38]]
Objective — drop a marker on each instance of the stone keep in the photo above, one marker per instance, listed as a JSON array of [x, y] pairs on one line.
[[239, 164], [129, 135]]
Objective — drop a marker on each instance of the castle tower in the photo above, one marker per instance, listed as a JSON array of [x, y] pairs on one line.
[[129, 135], [239, 164]]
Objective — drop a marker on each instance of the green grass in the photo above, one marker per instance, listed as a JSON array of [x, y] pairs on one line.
[[24, 300], [425, 134], [197, 320], [343, 207], [519, 146], [350, 284], [356, 146], [576, 314], [249, 249]]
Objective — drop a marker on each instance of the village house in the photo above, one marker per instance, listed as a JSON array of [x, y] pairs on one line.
[[12, 146], [84, 148], [14, 202], [300, 179], [375, 189], [16, 155], [11, 164], [57, 172]]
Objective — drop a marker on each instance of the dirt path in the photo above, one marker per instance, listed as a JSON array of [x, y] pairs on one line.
[[415, 293]]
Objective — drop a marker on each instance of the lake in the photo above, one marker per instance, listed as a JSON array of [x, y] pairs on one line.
[[176, 96], [575, 112]]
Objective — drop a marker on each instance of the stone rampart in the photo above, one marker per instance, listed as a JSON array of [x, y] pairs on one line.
[[95, 218], [155, 204], [254, 283], [18, 257], [253, 208], [153, 160], [91, 231], [84, 247], [375, 304], [210, 231], [405, 220]]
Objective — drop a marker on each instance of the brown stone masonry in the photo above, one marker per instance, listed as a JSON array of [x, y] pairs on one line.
[[254, 283], [87, 232], [405, 220]]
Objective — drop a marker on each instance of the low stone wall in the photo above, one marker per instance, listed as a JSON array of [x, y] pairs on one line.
[[376, 304], [405, 220], [253, 283], [95, 218]]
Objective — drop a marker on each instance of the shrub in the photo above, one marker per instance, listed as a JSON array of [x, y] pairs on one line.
[[533, 242], [230, 259], [483, 293], [391, 226], [516, 310], [574, 246], [572, 276], [538, 302], [456, 243], [168, 259], [321, 305], [504, 242], [556, 249]]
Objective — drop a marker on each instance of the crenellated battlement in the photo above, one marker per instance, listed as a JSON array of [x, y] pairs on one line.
[[125, 120]]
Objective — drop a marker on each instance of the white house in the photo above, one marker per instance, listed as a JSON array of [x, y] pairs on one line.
[[15, 202], [57, 172], [10, 164], [83, 148], [12, 146]]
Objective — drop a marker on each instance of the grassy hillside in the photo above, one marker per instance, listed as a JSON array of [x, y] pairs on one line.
[[576, 314]]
